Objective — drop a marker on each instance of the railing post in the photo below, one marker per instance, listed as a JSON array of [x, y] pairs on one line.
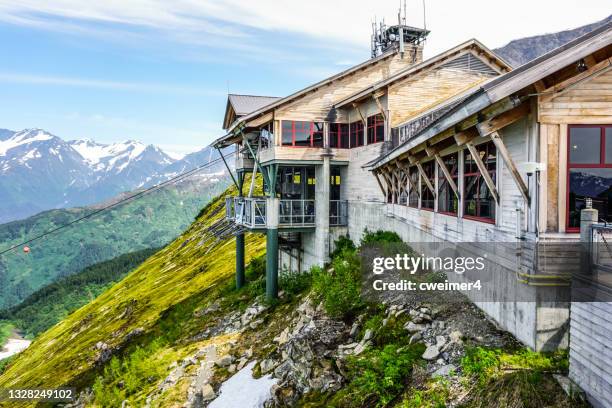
[[588, 217], [272, 218]]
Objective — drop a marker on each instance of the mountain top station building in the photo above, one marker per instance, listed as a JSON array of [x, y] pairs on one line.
[[456, 148]]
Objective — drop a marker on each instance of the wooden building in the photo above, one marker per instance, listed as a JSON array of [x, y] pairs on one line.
[[456, 148]]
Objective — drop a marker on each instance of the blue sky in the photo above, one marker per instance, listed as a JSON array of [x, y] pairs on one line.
[[159, 71]]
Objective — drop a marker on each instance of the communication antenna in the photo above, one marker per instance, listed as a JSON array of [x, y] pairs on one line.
[[424, 16]]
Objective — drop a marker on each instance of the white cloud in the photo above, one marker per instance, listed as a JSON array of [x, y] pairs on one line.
[[104, 84], [234, 23]]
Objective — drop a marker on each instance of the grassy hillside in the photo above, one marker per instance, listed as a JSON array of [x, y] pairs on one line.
[[148, 308], [151, 221], [52, 303]]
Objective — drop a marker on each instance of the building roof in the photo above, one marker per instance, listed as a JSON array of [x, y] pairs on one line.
[[245, 104], [281, 101], [443, 57], [505, 85]]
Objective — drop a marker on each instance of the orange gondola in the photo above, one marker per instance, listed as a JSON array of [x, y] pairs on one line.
[[26, 249]]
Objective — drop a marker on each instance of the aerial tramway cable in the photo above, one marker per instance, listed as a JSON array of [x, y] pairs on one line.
[[27, 249]]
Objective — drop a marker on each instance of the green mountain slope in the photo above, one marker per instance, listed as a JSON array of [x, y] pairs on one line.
[[150, 221], [52, 303], [150, 303]]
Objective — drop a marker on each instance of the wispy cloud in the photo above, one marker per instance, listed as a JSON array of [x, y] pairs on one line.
[[105, 84]]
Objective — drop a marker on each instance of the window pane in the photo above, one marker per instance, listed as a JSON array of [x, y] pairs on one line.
[[478, 200], [609, 145], [287, 133], [333, 134], [590, 183], [447, 200], [317, 134], [585, 144], [427, 199], [344, 136], [302, 133], [413, 196]]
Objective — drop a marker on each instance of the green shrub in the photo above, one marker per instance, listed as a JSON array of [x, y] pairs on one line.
[[435, 396], [340, 287], [341, 244], [378, 376], [293, 283], [380, 237]]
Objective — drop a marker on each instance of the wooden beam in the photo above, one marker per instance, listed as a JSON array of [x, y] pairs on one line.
[[539, 86], [363, 119], [415, 187], [382, 189], [427, 181], [447, 174], [466, 136], [557, 89], [502, 120], [501, 148], [380, 107], [483, 170]]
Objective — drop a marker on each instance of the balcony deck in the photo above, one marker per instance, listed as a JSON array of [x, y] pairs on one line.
[[250, 212]]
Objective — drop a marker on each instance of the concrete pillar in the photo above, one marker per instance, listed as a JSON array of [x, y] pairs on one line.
[[272, 218], [322, 194], [240, 278]]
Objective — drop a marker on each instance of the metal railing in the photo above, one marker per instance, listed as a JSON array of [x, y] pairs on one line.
[[251, 212], [338, 212], [297, 212], [600, 246]]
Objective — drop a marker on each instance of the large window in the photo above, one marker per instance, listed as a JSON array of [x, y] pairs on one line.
[[356, 129], [376, 129], [447, 199], [339, 135], [478, 200], [302, 134], [589, 172], [413, 192], [428, 198]]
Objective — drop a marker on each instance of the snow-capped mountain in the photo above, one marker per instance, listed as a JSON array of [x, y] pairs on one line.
[[40, 171]]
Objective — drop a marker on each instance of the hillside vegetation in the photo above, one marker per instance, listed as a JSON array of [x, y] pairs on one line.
[[150, 303], [52, 303], [151, 221]]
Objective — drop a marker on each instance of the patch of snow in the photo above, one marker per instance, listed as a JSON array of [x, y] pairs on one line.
[[242, 390], [24, 137], [13, 346]]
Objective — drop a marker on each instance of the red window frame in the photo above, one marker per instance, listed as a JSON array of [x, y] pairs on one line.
[[443, 182], [426, 193], [601, 165], [476, 173], [339, 136], [376, 128], [356, 134], [315, 128]]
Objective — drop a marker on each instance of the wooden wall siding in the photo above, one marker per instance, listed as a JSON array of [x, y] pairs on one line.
[[551, 133], [588, 102], [516, 139], [417, 95], [359, 183], [590, 351], [301, 153], [316, 105]]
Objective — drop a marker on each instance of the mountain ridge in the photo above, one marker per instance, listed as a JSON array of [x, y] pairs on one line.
[[40, 171]]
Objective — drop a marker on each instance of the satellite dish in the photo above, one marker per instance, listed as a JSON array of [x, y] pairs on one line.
[[392, 37]]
